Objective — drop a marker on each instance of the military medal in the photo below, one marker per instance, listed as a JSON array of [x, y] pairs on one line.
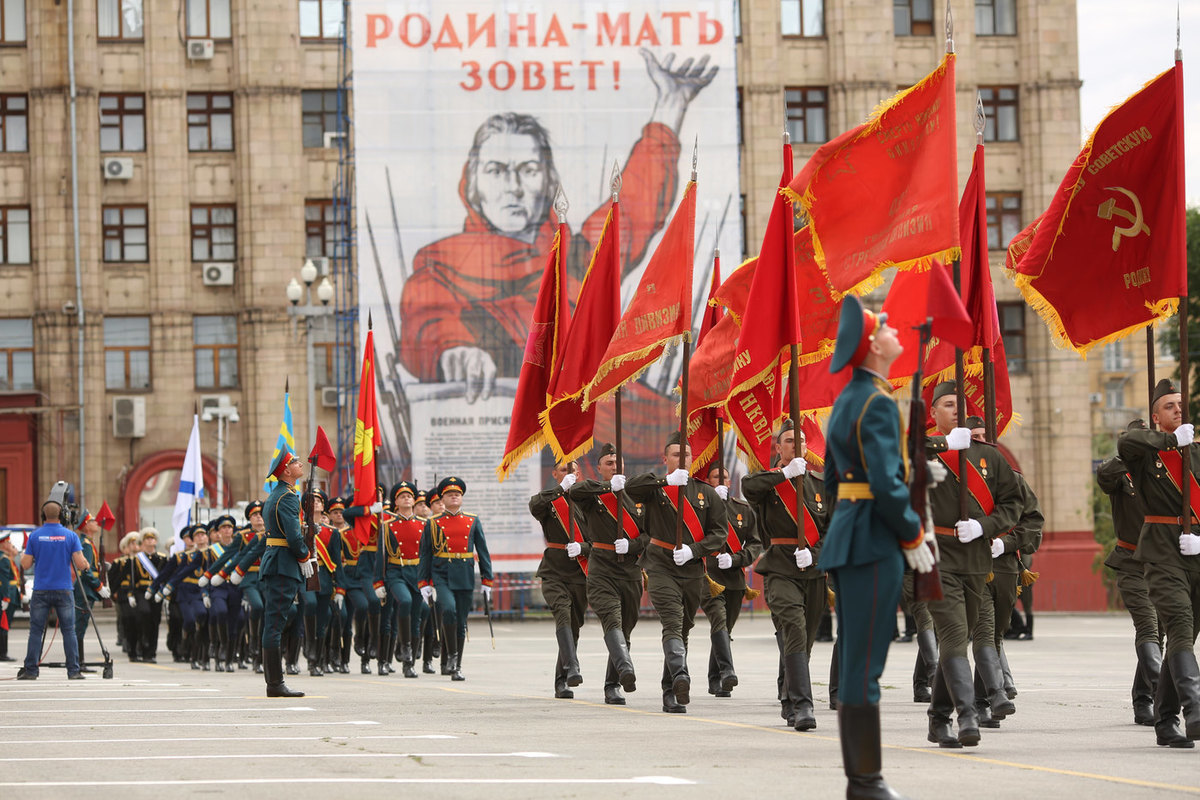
[[983, 467]]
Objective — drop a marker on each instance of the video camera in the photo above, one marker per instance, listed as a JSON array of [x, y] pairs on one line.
[[63, 494]]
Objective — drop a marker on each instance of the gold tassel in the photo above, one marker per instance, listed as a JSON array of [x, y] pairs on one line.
[[1019, 587], [829, 596], [1029, 578], [752, 593], [714, 588], [645, 581], [991, 577]]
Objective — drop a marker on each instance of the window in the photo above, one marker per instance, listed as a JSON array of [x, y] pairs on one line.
[[214, 233], [215, 344], [1114, 357], [1012, 330], [1000, 106], [16, 355], [14, 235], [119, 19], [122, 123], [12, 21], [995, 17], [127, 352], [318, 116], [125, 233], [320, 230], [802, 17], [913, 17], [1114, 394], [14, 123], [1003, 218], [320, 19], [324, 342], [208, 19], [210, 121], [806, 113]]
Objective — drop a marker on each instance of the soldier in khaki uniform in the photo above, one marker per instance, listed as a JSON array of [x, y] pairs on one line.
[[994, 506], [563, 573], [727, 569], [795, 587], [1171, 557], [612, 526], [1128, 514], [675, 576]]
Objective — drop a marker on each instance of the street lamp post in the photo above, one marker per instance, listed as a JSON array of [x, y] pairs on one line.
[[223, 413], [295, 293]]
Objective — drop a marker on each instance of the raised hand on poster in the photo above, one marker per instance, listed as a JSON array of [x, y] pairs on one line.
[[677, 86], [472, 365]]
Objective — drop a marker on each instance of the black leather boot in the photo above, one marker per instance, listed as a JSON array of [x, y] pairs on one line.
[[957, 674], [612, 687], [862, 754], [798, 685], [218, 638], [1010, 686], [1145, 682], [566, 656], [834, 677], [941, 706], [292, 654], [273, 672], [987, 661], [723, 650], [669, 705], [1166, 713], [256, 645], [618, 656], [561, 690], [316, 667], [927, 657], [384, 661], [407, 659], [675, 660], [1186, 673], [456, 672]]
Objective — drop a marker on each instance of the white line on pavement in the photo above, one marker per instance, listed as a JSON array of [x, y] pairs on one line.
[[657, 780], [187, 724], [163, 739], [108, 687], [157, 710], [104, 699], [233, 756]]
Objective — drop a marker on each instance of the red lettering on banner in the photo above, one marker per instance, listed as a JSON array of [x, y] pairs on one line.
[[474, 80], [533, 71], [605, 26], [425, 30], [717, 31], [554, 34], [474, 30], [495, 71], [676, 17], [379, 26], [561, 73], [591, 72], [515, 28], [447, 36], [647, 34]]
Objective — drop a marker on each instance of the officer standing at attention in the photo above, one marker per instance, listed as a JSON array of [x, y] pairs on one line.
[[449, 545], [675, 577], [873, 532], [1171, 556], [286, 564], [402, 547]]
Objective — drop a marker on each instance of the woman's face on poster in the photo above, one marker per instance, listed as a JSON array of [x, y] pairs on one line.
[[510, 181]]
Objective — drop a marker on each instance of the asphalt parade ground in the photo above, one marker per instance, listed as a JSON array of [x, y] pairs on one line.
[[165, 730]]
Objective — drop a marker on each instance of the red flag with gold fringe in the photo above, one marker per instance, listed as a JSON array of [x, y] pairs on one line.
[[367, 439]]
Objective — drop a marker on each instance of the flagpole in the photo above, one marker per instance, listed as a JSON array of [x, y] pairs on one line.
[[620, 469], [1185, 372], [960, 390], [794, 384], [989, 367], [1150, 374], [683, 398], [561, 206]]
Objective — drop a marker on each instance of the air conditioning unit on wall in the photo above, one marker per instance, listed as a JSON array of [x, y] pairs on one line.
[[217, 274], [329, 397], [118, 169], [129, 417], [200, 49]]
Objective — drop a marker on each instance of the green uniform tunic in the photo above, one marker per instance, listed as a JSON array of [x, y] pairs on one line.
[[279, 574], [723, 609], [564, 583], [1128, 513], [614, 582]]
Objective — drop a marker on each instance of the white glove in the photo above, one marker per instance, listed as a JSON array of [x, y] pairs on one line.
[[968, 530], [158, 597], [682, 555], [236, 578], [105, 592], [722, 491], [307, 567], [678, 477], [132, 601], [339, 601], [381, 592], [203, 581], [376, 507], [217, 580], [997, 547], [427, 593], [920, 558], [724, 561], [1185, 434], [574, 549], [617, 482], [246, 606], [621, 546], [207, 601], [803, 557], [795, 468], [936, 471], [568, 481], [148, 595], [958, 439], [167, 590], [4, 604], [487, 592], [1189, 544]]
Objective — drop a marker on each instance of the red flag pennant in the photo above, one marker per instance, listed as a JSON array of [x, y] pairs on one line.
[[105, 517], [1108, 257], [978, 295], [322, 452], [950, 320], [367, 439]]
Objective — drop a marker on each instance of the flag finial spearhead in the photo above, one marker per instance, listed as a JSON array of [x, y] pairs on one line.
[[787, 137], [370, 326], [561, 206], [949, 29], [980, 118], [615, 183], [695, 155]]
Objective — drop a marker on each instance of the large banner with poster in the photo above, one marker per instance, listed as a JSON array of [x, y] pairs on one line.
[[469, 115]]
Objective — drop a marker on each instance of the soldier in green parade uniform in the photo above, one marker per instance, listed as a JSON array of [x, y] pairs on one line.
[[119, 584], [10, 589], [1171, 557], [354, 607], [449, 545], [425, 635], [675, 577], [88, 588], [402, 549], [286, 564], [563, 573], [614, 579], [369, 571], [1128, 514], [243, 573], [872, 533], [794, 587], [728, 570], [994, 507]]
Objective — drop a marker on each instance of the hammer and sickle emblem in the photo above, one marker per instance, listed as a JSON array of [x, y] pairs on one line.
[[1109, 207]]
